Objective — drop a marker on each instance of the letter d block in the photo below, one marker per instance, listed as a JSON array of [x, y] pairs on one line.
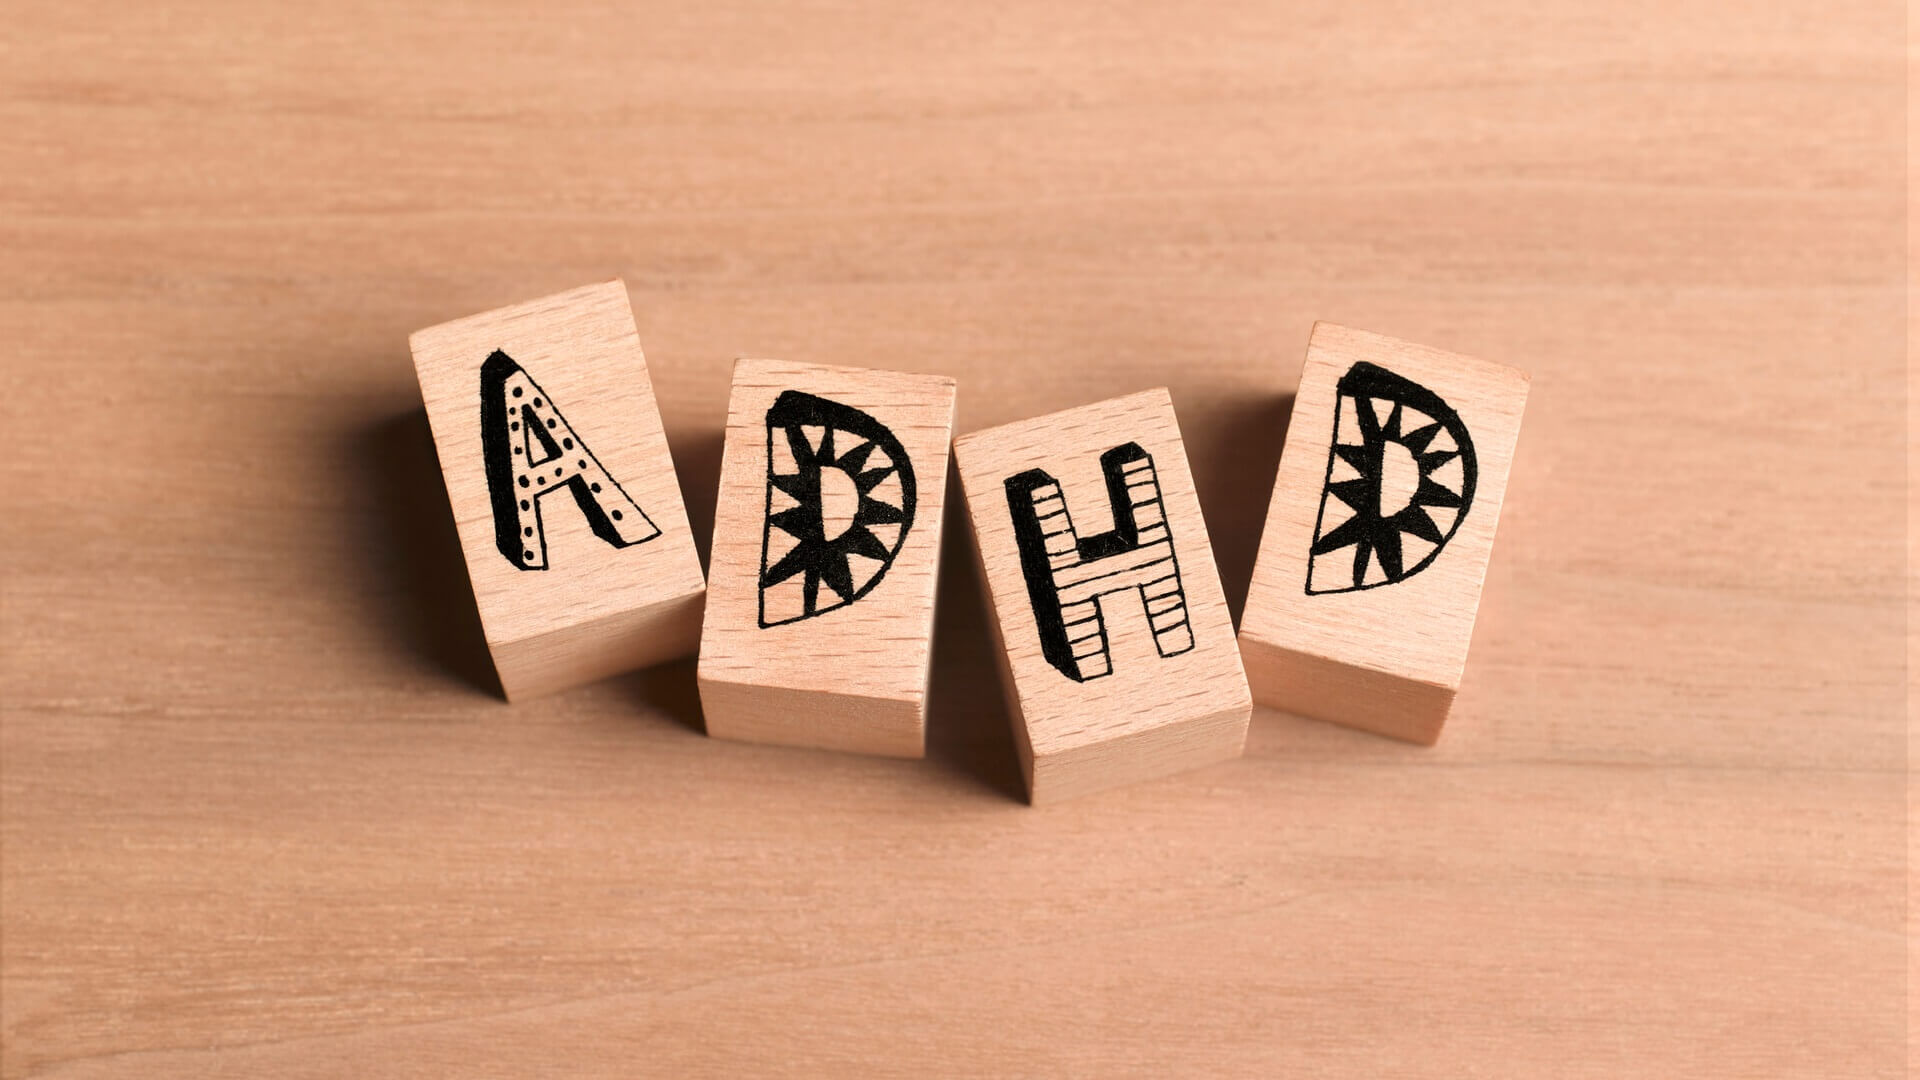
[[562, 489], [826, 552], [1114, 638], [1376, 544]]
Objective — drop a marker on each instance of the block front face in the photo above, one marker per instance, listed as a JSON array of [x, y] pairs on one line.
[[826, 555], [1381, 524], [562, 487], [1109, 612]]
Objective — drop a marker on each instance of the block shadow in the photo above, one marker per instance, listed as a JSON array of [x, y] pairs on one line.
[[1234, 449], [696, 461], [426, 599], [672, 688], [969, 728], [432, 608]]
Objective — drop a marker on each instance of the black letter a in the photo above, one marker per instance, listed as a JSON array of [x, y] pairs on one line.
[[531, 452]]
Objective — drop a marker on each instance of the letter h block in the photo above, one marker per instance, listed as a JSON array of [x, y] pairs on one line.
[[562, 488], [1112, 632]]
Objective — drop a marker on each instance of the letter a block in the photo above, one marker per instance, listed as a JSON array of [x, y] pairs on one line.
[[1376, 544], [562, 488], [1114, 638], [826, 552]]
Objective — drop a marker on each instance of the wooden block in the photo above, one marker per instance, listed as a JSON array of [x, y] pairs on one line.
[[826, 553], [562, 488], [1114, 639], [1376, 543]]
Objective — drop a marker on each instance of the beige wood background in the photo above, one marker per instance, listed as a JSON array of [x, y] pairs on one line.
[[262, 816]]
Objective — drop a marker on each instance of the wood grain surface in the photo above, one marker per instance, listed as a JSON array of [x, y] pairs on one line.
[[263, 817]]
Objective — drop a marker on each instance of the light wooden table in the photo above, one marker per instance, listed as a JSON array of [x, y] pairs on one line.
[[263, 818]]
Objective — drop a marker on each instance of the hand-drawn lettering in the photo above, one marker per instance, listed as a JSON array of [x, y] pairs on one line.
[[531, 452], [1068, 576], [840, 501], [1400, 480]]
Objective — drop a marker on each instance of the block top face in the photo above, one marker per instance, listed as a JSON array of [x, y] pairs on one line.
[[556, 465], [826, 549], [1100, 572], [1383, 511]]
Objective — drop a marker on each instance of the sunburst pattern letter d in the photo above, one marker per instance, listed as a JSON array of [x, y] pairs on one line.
[[1400, 478], [840, 500]]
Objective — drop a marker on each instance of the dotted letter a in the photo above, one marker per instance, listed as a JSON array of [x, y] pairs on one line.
[[532, 452]]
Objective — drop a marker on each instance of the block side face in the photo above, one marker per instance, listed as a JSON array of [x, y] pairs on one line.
[[1324, 689], [1108, 627], [1423, 441], [586, 652], [827, 529], [1147, 754], [599, 527], [745, 712]]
